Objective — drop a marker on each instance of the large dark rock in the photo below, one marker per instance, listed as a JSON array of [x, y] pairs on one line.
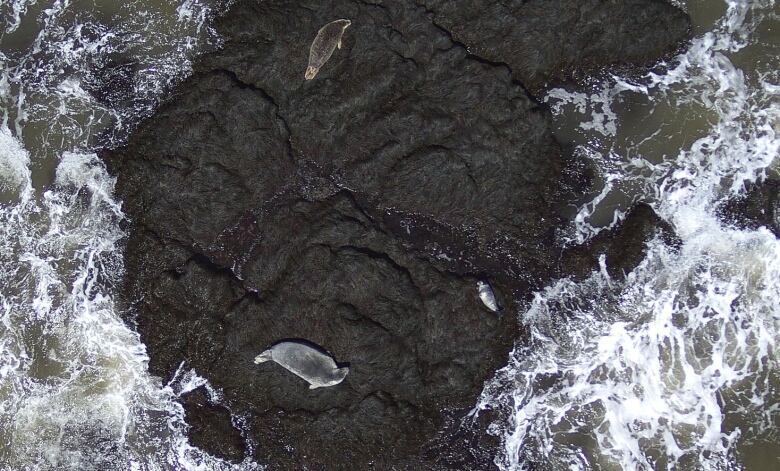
[[356, 211], [547, 41]]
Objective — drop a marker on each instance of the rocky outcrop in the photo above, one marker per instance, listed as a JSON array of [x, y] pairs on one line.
[[623, 246], [208, 421], [549, 41], [758, 207], [356, 211]]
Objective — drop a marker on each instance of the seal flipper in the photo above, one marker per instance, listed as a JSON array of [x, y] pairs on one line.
[[263, 357], [312, 386], [339, 43]]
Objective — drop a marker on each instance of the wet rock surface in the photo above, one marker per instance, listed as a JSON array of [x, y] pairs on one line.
[[547, 41], [208, 420], [355, 211], [623, 246], [758, 207]]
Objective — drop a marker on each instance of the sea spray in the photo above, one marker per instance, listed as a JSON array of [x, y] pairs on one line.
[[675, 367], [75, 392]]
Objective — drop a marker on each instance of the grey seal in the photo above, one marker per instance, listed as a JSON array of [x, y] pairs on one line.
[[327, 40], [487, 296], [306, 361]]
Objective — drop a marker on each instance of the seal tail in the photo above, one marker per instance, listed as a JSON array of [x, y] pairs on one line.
[[311, 72], [263, 357]]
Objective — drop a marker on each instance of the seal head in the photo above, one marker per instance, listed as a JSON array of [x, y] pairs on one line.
[[327, 40], [307, 361]]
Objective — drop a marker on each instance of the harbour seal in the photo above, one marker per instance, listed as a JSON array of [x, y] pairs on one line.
[[327, 40], [487, 296], [307, 362]]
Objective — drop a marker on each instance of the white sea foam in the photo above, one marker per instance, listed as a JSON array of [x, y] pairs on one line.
[[675, 367], [14, 166], [11, 13], [74, 388]]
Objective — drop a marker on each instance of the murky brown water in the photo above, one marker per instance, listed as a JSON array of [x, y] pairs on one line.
[[676, 368], [74, 391]]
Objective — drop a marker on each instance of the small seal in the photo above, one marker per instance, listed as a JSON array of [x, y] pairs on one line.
[[327, 40], [487, 296], [305, 361]]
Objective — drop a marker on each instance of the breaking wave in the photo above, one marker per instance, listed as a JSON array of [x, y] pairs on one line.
[[676, 366], [74, 388]]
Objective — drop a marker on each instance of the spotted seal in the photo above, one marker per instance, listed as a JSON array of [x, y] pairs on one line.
[[306, 361], [485, 292], [327, 40]]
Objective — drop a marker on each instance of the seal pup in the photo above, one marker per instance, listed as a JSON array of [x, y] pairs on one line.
[[327, 40], [307, 362], [487, 296]]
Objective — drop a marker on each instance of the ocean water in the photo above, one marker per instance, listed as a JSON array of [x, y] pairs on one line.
[[74, 390], [673, 368], [677, 366]]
